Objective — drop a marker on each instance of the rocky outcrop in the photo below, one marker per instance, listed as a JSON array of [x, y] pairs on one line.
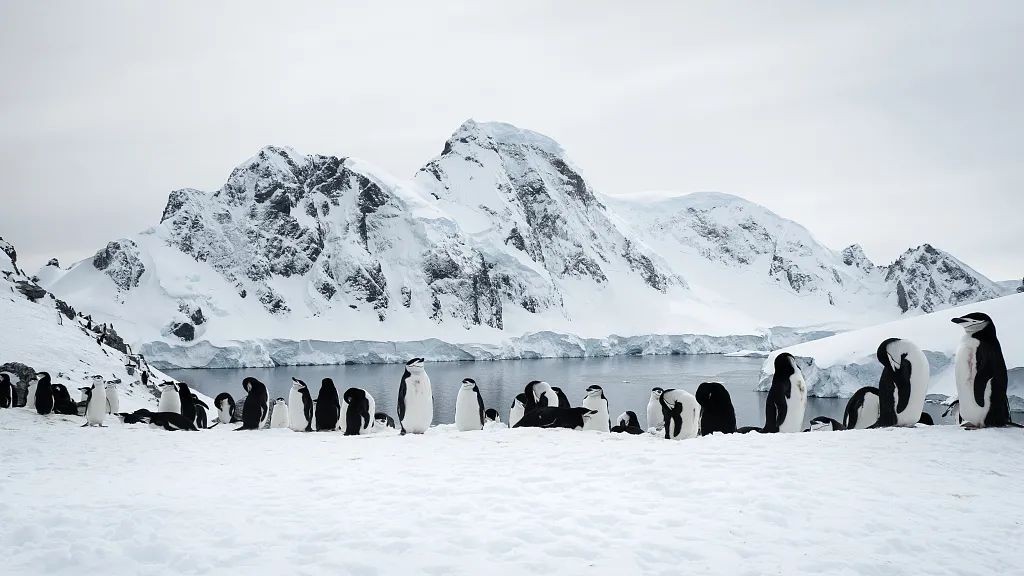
[[928, 279]]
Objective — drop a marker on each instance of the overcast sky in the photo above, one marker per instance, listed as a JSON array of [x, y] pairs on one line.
[[889, 124]]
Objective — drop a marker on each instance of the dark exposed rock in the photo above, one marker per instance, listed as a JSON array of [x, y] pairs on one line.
[[23, 374], [580, 264], [642, 264], [121, 262], [30, 289], [65, 309], [184, 330], [53, 262]]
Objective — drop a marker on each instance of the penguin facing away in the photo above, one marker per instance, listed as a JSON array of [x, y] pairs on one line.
[[862, 409], [628, 423], [415, 399], [787, 397], [655, 417], [358, 409], [903, 383], [682, 414], [255, 407], [62, 402], [200, 408], [279, 414], [7, 393], [225, 405], [596, 400], [517, 410], [327, 411], [981, 376], [186, 401], [469, 407], [717, 413], [300, 407], [563, 400]]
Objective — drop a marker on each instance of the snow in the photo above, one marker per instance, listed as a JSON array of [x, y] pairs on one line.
[[938, 501], [840, 364]]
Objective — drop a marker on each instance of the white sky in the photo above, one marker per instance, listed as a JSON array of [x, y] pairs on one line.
[[890, 123]]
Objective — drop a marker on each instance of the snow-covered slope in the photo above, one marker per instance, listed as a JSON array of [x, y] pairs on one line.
[[498, 236], [840, 364]]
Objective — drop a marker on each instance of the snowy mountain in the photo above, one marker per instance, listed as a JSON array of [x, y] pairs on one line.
[[498, 236]]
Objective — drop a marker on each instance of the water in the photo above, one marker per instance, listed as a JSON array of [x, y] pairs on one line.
[[627, 382]]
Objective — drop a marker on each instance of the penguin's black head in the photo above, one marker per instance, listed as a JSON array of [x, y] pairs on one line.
[[352, 395], [42, 376], [521, 398], [708, 393], [785, 365], [884, 358], [975, 322]]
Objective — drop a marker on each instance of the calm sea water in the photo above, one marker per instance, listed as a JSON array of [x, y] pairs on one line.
[[627, 382]]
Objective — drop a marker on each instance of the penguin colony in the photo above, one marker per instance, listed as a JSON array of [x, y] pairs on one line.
[[898, 400]]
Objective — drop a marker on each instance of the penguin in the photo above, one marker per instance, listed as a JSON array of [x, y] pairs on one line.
[[563, 400], [903, 384], [981, 377], [517, 410], [415, 399], [655, 417], [279, 414], [43, 393], [170, 421], [824, 424], [553, 417], [595, 400], [357, 412], [538, 394], [300, 407], [862, 409], [787, 397], [328, 406], [491, 415], [170, 400], [185, 401], [628, 423], [200, 407], [113, 400], [716, 410], [62, 402], [682, 414], [30, 398], [254, 407], [95, 403], [225, 405], [469, 407], [7, 393], [384, 420]]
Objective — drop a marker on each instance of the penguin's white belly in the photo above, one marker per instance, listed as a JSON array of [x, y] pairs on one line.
[[467, 411], [30, 402], [868, 412], [224, 413], [113, 402], [655, 417], [170, 401], [373, 410], [966, 371], [419, 405], [598, 421], [795, 405], [919, 378], [296, 412], [515, 414], [96, 411], [279, 417]]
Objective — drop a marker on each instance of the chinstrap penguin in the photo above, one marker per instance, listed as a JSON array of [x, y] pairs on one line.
[[415, 399], [469, 407]]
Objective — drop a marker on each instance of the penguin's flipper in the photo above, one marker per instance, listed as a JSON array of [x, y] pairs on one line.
[[902, 380]]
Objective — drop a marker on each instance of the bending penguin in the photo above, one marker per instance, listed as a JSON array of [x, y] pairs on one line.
[[225, 405], [469, 407], [595, 400], [682, 414], [862, 409], [655, 417], [279, 414], [300, 407], [517, 410], [716, 410], [358, 409], [254, 407], [981, 377], [903, 384], [787, 397], [200, 407], [328, 406], [415, 399], [7, 393], [628, 423]]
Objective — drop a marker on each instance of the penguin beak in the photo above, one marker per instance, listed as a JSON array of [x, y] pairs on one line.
[[959, 320]]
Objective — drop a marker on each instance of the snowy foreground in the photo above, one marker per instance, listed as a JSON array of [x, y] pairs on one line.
[[136, 500]]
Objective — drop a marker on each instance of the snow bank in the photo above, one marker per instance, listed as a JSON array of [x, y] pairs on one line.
[[840, 364], [938, 501]]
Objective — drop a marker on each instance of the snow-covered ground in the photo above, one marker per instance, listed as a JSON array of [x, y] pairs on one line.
[[840, 364], [134, 500]]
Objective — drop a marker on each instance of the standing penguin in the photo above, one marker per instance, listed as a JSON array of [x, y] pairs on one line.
[[113, 400], [682, 414], [716, 410], [862, 409], [903, 384], [7, 393], [95, 404], [300, 407], [655, 417], [628, 423], [415, 399], [563, 400], [170, 400], [981, 377], [200, 407], [358, 409], [469, 407], [254, 408], [517, 410], [787, 397], [225, 405], [595, 400], [186, 402], [328, 406], [279, 414], [43, 397]]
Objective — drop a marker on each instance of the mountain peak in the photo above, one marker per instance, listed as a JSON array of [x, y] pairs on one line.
[[501, 133]]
